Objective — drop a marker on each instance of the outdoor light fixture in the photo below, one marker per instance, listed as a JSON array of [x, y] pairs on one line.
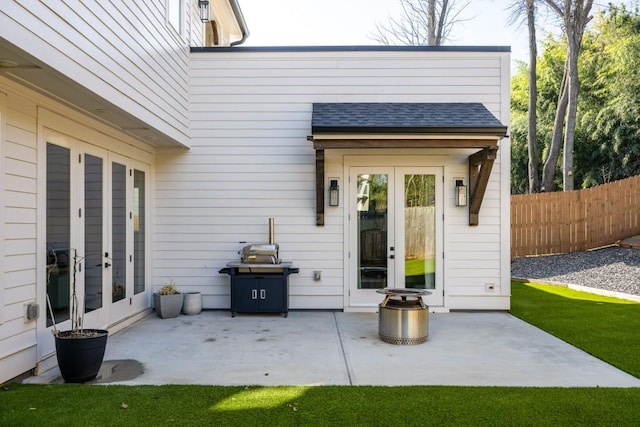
[[334, 193], [461, 193], [204, 10]]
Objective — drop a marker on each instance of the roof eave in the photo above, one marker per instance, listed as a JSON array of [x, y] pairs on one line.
[[499, 131]]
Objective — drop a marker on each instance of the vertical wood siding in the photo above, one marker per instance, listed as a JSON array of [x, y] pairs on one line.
[[250, 160]]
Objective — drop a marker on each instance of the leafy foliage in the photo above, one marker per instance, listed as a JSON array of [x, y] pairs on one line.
[[607, 143]]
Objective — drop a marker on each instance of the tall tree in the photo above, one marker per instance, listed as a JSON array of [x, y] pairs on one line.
[[553, 152], [611, 99], [575, 17], [607, 145], [532, 138], [422, 23], [525, 10]]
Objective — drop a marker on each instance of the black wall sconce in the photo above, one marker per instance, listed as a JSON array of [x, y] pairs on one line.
[[334, 193], [205, 15], [461, 193]]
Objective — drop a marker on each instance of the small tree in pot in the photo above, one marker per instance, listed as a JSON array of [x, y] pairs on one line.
[[79, 351], [168, 301]]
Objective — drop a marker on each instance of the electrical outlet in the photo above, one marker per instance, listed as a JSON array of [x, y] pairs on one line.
[[31, 311], [489, 287]]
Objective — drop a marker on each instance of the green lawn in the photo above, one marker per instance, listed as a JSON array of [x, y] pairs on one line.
[[90, 405], [607, 328], [419, 267]]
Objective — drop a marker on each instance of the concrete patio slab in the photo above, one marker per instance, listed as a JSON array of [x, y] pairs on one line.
[[335, 348]]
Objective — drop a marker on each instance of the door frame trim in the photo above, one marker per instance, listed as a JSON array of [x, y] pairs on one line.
[[399, 161]]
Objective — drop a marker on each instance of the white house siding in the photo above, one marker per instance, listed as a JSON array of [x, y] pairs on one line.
[[125, 51], [19, 141], [22, 232], [250, 160]]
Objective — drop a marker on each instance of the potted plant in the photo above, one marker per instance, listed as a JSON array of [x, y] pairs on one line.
[[168, 301], [79, 351]]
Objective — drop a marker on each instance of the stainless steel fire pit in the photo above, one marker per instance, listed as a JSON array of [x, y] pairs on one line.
[[403, 317]]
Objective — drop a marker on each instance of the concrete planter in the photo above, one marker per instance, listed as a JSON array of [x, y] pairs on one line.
[[192, 304], [168, 306]]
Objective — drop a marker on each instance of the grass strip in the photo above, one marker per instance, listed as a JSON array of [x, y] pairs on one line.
[[605, 327], [90, 405]]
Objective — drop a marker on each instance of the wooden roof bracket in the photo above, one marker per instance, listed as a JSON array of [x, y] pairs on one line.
[[320, 187], [480, 165]]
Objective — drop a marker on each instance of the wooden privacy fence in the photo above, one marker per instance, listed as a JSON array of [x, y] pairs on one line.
[[569, 221], [420, 243]]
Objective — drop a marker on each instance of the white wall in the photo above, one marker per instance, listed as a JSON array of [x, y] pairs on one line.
[[124, 51], [18, 280], [250, 160]]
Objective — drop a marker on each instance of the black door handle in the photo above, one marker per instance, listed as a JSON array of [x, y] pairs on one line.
[[107, 265]]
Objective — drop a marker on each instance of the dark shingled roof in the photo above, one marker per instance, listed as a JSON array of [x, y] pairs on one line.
[[388, 117]]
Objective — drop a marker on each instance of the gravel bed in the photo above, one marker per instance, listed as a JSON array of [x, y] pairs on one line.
[[611, 268]]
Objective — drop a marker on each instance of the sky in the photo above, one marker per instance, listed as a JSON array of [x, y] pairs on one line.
[[351, 22]]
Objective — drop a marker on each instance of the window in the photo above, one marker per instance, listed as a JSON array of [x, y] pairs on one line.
[[175, 14]]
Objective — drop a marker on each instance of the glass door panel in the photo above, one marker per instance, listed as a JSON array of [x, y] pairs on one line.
[[58, 233], [93, 232], [139, 236], [371, 233], [419, 231], [118, 231], [372, 207]]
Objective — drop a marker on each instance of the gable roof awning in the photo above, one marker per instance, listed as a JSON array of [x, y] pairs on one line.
[[409, 125]]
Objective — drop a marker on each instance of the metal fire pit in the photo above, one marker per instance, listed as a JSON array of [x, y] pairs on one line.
[[403, 317]]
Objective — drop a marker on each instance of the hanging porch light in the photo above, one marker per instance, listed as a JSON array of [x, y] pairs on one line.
[[205, 12]]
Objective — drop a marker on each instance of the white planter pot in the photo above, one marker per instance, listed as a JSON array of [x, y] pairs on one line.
[[192, 303]]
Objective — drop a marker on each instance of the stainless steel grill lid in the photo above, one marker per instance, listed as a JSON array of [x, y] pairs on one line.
[[260, 254]]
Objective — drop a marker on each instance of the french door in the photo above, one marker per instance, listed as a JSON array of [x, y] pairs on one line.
[[76, 233], [95, 235], [128, 237], [395, 228]]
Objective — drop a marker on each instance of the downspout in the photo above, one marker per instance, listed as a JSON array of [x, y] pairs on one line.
[[241, 23]]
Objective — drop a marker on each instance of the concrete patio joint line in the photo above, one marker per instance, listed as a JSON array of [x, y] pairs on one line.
[[344, 354]]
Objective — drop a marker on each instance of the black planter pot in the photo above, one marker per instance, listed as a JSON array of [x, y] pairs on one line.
[[80, 356]]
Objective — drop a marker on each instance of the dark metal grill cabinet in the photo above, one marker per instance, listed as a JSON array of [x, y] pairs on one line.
[[259, 288]]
